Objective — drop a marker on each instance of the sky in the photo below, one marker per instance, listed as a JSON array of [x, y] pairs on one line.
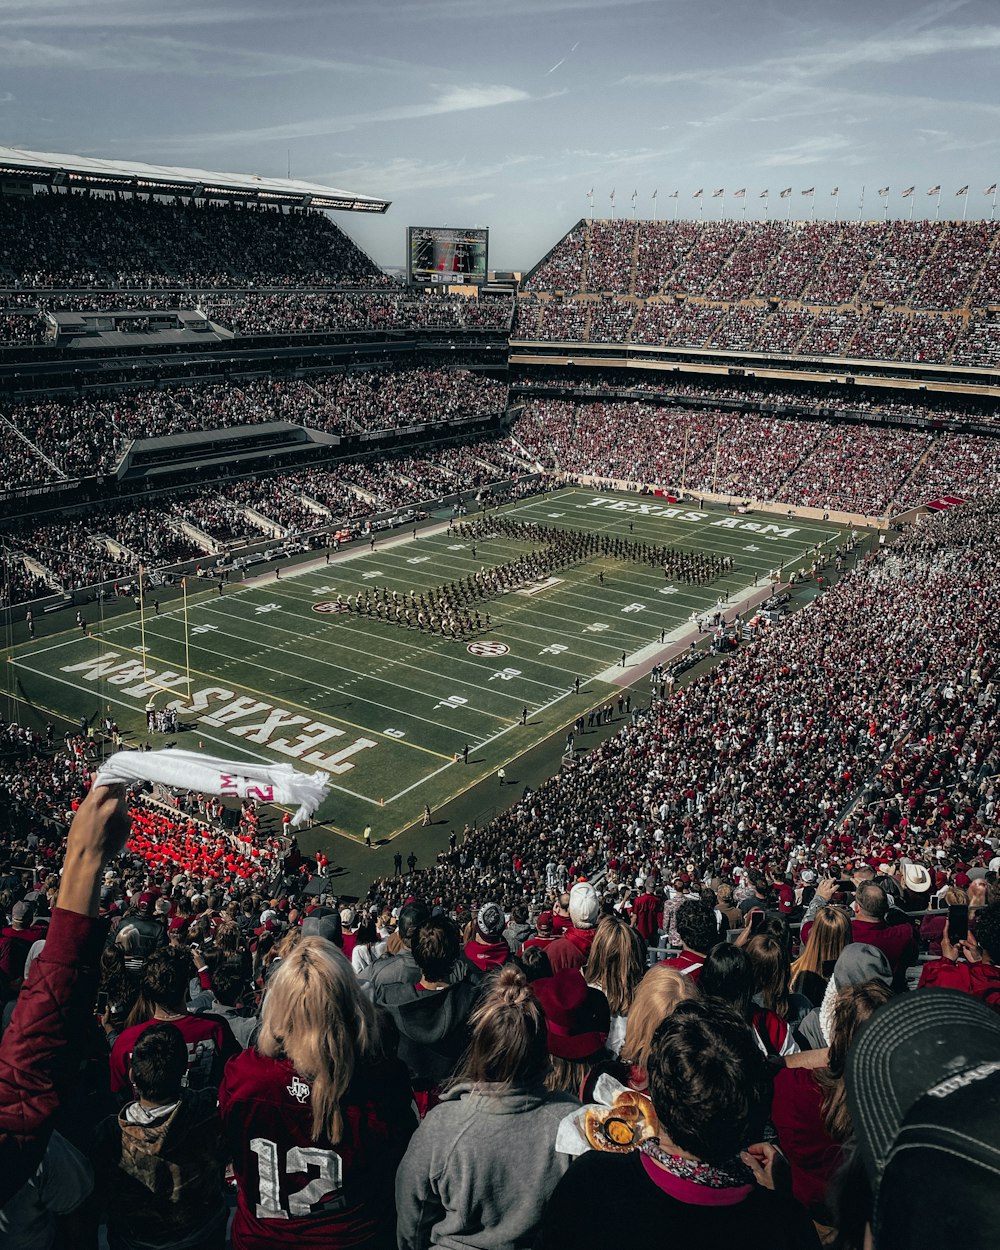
[[506, 113]]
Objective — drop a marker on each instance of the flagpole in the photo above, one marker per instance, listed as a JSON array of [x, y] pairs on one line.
[[767, 207], [937, 208], [142, 623], [993, 206], [677, 200], [187, 636], [861, 206], [654, 205], [912, 198], [965, 205], [590, 198], [836, 205], [612, 198], [634, 195], [788, 197]]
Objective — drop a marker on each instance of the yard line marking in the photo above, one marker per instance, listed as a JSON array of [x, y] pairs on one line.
[[326, 639]]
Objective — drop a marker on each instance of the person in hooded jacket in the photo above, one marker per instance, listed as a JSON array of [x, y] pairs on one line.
[[857, 964], [432, 1012], [159, 1162]]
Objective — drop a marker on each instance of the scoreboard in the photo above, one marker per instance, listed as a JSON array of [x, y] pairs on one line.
[[446, 256]]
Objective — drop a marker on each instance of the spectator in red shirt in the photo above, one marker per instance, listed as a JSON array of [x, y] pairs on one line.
[[315, 1117], [209, 1039], [972, 965], [571, 950], [897, 941], [543, 935], [698, 932], [16, 939], [809, 1107], [487, 949], [647, 912]]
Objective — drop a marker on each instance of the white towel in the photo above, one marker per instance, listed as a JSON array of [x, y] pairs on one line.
[[239, 779]]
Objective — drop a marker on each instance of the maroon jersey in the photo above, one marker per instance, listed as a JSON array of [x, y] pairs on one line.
[[294, 1190], [209, 1040], [647, 912]]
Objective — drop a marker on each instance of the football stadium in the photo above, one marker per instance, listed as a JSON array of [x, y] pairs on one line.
[[445, 694]]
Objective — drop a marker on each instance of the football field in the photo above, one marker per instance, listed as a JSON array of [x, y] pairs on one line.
[[273, 671]]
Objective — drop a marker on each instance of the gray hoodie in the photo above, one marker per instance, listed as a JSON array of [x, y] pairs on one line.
[[858, 963], [480, 1168]]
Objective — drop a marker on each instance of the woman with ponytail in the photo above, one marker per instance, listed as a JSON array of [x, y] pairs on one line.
[[481, 1166], [316, 1117]]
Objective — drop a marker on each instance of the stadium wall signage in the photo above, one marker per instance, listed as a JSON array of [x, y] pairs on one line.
[[222, 709]]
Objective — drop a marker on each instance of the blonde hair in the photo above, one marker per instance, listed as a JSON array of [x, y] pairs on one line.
[[830, 933], [659, 992], [316, 1015], [617, 962]]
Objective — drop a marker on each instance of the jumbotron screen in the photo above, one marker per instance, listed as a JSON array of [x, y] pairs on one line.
[[441, 255]]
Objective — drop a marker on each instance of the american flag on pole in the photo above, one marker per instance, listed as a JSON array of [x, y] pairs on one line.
[[786, 193], [908, 192], [934, 190], [763, 195], [673, 195], [963, 190], [741, 194], [990, 190], [835, 191], [716, 194], [698, 194], [883, 191], [809, 191]]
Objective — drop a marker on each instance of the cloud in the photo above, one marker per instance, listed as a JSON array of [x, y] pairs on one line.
[[123, 14], [449, 100], [813, 151], [164, 54], [6, 97], [411, 173]]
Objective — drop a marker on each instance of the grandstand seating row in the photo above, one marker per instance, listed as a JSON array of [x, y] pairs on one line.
[[927, 264], [79, 437], [856, 468], [871, 333]]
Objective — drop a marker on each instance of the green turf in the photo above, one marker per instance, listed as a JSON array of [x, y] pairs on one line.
[[386, 709]]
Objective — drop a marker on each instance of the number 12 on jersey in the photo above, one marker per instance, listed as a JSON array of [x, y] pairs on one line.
[[323, 1191]]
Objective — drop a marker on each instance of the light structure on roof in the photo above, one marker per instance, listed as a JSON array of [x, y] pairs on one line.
[[59, 169]]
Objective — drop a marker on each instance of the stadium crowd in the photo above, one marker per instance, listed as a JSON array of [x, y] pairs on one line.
[[114, 539], [87, 435], [258, 312], [863, 469], [939, 265], [80, 240], [182, 995]]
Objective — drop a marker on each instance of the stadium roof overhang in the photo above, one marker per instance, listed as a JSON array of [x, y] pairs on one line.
[[57, 169]]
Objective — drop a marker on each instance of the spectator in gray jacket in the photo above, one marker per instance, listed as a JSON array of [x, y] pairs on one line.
[[462, 1182]]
